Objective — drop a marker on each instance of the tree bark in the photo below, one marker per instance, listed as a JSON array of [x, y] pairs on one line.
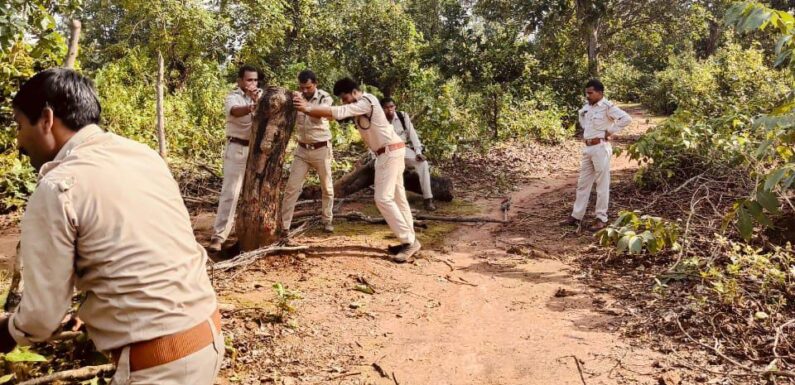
[[589, 17], [161, 129], [259, 221], [74, 38], [364, 176]]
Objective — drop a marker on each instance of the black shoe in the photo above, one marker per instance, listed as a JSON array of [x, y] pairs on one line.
[[429, 206], [395, 248], [570, 221], [409, 249]]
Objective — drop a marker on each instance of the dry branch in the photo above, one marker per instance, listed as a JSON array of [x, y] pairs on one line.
[[81, 374]]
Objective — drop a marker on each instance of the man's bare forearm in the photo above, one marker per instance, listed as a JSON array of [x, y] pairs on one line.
[[239, 111], [319, 112]]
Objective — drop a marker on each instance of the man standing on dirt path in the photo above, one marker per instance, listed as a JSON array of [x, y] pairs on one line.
[[108, 218], [414, 158], [600, 119], [239, 108], [379, 136], [313, 151]]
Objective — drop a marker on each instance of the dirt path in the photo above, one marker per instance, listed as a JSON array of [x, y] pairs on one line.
[[490, 304], [484, 304]]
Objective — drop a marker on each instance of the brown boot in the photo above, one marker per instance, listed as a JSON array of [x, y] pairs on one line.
[[570, 221], [597, 225], [429, 206], [215, 245]]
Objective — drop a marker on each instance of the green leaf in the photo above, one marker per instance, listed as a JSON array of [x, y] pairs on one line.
[[5, 379], [775, 177], [635, 245], [623, 243], [744, 223], [769, 201], [23, 354]]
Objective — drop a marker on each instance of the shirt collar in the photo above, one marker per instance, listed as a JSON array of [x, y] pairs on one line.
[[76, 140]]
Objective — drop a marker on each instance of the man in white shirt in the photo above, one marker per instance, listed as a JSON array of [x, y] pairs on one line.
[[313, 152], [239, 108], [379, 136], [414, 157], [600, 119]]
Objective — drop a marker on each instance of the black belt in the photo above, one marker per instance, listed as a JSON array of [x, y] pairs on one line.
[[313, 146], [242, 142]]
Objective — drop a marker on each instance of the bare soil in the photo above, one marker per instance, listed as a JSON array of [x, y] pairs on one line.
[[482, 304]]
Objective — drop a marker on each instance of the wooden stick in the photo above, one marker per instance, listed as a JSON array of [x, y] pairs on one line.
[[81, 374]]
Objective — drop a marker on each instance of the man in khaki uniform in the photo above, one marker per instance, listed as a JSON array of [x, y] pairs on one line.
[[239, 109], [414, 158], [599, 119], [313, 151], [379, 136], [107, 217]]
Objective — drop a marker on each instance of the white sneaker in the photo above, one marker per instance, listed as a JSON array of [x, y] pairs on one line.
[[407, 252]]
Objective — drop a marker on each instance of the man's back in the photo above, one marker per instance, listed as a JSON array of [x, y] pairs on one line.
[[135, 254]]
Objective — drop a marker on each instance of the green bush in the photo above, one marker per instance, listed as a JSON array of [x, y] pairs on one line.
[[735, 79], [623, 81]]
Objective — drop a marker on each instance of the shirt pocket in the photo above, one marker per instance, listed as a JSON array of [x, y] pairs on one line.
[[600, 117]]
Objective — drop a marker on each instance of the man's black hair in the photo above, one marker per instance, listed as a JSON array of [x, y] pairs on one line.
[[386, 100], [307, 75], [70, 95], [246, 68], [596, 84], [345, 86]]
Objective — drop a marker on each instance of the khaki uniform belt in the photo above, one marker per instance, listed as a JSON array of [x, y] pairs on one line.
[[162, 350], [391, 147]]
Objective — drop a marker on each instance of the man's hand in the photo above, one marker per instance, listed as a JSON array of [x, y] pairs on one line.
[[7, 343], [421, 158], [254, 93], [299, 102]]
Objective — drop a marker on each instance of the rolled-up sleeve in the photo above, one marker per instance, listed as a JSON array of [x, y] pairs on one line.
[[232, 100], [361, 107], [620, 119], [47, 252]]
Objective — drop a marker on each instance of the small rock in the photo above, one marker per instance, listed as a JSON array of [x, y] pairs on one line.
[[670, 378]]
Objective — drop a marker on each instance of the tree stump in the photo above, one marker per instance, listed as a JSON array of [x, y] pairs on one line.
[[259, 221], [363, 176]]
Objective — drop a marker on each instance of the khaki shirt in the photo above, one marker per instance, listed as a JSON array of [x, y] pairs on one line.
[[237, 126], [602, 117], [313, 130], [408, 133], [107, 217], [375, 129]]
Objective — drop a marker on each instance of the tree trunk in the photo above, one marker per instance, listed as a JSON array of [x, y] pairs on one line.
[[364, 176], [161, 129], [259, 219], [593, 50], [74, 37]]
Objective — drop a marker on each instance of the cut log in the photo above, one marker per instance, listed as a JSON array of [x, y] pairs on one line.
[[363, 176], [259, 221]]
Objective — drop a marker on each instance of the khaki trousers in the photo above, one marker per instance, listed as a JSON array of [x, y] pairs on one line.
[[423, 169], [235, 158], [200, 368], [390, 195], [319, 160], [594, 167]]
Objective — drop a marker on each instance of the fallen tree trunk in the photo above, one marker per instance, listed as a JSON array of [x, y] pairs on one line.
[[259, 221], [363, 176]]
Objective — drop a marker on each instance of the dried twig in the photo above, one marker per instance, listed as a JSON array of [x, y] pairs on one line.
[[81, 374], [734, 362]]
